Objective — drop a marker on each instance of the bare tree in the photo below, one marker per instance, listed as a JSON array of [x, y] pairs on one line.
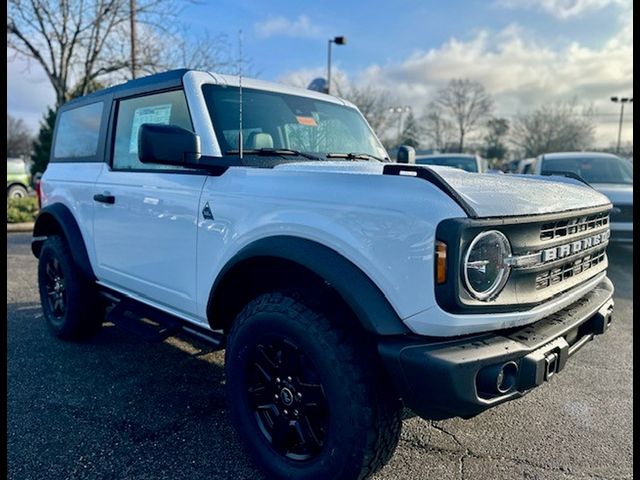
[[69, 39], [19, 137], [466, 104], [160, 51], [437, 128], [79, 42], [374, 103], [556, 127]]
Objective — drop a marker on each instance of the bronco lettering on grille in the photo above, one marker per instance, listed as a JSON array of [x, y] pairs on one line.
[[568, 249], [559, 252]]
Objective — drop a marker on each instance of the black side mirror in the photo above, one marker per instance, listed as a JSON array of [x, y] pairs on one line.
[[406, 154], [168, 145]]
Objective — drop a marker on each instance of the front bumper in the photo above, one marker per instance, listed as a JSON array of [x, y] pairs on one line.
[[462, 377]]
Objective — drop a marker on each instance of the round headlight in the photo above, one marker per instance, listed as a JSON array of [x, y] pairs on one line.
[[486, 267]]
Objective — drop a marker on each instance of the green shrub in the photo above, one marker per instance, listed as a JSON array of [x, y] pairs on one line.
[[22, 209]]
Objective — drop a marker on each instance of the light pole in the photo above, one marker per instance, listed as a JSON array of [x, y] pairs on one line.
[[622, 101], [132, 24], [337, 41], [400, 111]]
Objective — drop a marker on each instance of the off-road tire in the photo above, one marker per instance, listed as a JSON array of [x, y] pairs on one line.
[[83, 311], [364, 416]]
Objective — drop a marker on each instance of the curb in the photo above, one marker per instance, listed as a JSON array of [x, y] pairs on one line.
[[20, 227]]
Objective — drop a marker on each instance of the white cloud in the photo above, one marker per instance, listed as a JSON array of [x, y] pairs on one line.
[[301, 27], [562, 9], [520, 72]]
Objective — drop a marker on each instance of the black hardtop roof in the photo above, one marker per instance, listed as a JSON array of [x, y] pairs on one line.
[[139, 85]]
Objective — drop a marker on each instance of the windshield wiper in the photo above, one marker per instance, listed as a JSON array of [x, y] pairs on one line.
[[273, 151], [354, 156]]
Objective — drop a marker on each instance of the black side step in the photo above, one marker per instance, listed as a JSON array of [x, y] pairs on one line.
[[154, 325], [148, 323]]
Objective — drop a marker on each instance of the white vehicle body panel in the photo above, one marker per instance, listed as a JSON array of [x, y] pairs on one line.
[[516, 195], [146, 241], [488, 195], [379, 223], [73, 185]]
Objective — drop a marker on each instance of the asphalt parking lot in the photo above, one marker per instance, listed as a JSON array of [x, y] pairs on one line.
[[118, 408]]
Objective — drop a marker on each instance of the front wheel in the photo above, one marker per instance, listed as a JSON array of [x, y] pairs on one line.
[[306, 395]]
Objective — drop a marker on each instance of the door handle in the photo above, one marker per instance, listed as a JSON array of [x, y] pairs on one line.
[[103, 198]]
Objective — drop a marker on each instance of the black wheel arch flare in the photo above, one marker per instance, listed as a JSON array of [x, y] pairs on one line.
[[58, 219], [357, 290]]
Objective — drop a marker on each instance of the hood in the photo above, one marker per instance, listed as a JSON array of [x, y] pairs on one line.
[[487, 195], [619, 194]]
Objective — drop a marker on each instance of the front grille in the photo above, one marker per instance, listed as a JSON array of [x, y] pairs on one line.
[[564, 272], [550, 255], [624, 215], [573, 226]]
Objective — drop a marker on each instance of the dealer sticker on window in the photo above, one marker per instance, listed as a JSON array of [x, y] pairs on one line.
[[156, 114], [308, 121]]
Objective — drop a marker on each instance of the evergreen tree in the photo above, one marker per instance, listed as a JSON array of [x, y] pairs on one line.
[[42, 143], [411, 132], [497, 129]]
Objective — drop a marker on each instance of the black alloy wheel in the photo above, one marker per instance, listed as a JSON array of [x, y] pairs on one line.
[[287, 398], [56, 290]]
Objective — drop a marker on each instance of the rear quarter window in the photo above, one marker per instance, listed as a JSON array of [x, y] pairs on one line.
[[78, 133]]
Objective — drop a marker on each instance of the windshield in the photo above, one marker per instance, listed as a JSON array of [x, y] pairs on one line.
[[592, 169], [281, 121], [464, 163]]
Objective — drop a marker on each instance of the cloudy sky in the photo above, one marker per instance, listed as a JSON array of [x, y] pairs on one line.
[[526, 52]]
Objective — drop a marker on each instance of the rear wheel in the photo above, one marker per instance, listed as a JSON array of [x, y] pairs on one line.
[[306, 394], [17, 191], [69, 300]]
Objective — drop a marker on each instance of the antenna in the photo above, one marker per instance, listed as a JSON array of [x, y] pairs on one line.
[[240, 139]]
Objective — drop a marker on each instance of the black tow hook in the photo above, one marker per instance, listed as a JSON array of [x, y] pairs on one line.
[[551, 365]]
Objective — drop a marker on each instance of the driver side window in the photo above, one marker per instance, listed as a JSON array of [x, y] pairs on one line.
[[167, 108]]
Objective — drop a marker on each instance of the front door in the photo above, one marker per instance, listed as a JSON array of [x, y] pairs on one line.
[[145, 215]]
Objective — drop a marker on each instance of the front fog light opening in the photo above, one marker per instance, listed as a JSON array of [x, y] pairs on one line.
[[485, 268], [497, 379]]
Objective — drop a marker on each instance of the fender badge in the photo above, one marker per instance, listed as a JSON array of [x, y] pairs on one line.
[[206, 212]]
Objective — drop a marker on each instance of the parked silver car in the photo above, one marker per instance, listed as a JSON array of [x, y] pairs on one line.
[[470, 163], [608, 174]]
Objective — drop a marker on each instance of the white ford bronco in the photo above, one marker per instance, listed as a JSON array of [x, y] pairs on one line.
[[344, 287]]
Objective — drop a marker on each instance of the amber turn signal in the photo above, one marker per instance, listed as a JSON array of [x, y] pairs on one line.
[[441, 262]]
